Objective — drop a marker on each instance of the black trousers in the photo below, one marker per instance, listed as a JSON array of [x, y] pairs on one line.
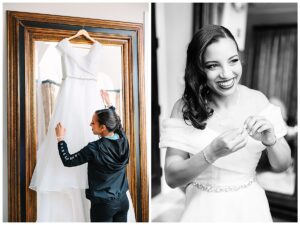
[[110, 211]]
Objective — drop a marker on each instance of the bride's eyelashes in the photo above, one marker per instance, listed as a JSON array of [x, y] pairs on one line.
[[213, 66], [234, 61]]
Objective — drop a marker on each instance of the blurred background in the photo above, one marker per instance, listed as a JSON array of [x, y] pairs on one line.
[[267, 37]]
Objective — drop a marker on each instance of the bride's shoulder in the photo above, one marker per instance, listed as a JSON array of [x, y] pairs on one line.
[[254, 97], [177, 109]]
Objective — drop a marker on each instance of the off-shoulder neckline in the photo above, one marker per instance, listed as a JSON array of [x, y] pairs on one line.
[[213, 130]]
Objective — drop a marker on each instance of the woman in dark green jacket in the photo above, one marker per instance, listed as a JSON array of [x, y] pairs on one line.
[[107, 159]]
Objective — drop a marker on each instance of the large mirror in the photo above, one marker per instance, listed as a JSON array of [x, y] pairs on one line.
[[34, 79]]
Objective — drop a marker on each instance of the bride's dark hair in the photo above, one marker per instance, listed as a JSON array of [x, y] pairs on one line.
[[196, 94]]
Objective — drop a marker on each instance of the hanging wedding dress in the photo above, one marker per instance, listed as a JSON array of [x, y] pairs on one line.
[[226, 191], [61, 190]]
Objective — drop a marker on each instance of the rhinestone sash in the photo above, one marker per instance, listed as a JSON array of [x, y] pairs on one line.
[[215, 188], [80, 78]]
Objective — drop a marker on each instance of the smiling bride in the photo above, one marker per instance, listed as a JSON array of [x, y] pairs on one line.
[[217, 132]]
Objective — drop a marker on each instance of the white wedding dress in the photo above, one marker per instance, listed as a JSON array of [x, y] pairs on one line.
[[61, 190], [226, 191]]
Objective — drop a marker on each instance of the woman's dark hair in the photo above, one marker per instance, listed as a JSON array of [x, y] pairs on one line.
[[109, 118], [196, 94]]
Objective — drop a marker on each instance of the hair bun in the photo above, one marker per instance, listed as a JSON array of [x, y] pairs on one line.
[[109, 118]]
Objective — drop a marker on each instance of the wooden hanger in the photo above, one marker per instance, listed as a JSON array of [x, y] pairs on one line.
[[84, 33]]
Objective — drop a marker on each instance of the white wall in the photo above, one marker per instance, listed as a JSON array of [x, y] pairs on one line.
[[130, 12], [174, 32]]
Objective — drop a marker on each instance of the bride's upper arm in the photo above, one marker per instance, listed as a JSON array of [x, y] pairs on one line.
[[173, 154], [177, 109]]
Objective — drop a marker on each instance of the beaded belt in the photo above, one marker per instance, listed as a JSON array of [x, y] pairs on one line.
[[81, 78], [215, 188]]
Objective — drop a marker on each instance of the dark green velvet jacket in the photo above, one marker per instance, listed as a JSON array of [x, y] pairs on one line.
[[107, 160]]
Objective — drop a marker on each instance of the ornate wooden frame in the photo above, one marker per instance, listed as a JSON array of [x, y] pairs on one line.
[[23, 30]]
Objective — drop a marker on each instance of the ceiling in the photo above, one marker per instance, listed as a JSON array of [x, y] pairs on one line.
[[263, 8]]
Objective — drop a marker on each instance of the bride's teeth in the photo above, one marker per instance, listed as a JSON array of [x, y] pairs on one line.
[[226, 84]]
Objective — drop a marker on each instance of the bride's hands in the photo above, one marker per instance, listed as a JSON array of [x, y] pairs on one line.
[[227, 143], [60, 132], [260, 129]]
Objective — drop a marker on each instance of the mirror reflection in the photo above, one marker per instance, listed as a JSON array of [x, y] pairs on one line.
[[49, 75]]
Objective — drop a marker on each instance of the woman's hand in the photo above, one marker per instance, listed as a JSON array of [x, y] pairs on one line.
[[60, 131], [260, 129], [225, 144], [105, 96]]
